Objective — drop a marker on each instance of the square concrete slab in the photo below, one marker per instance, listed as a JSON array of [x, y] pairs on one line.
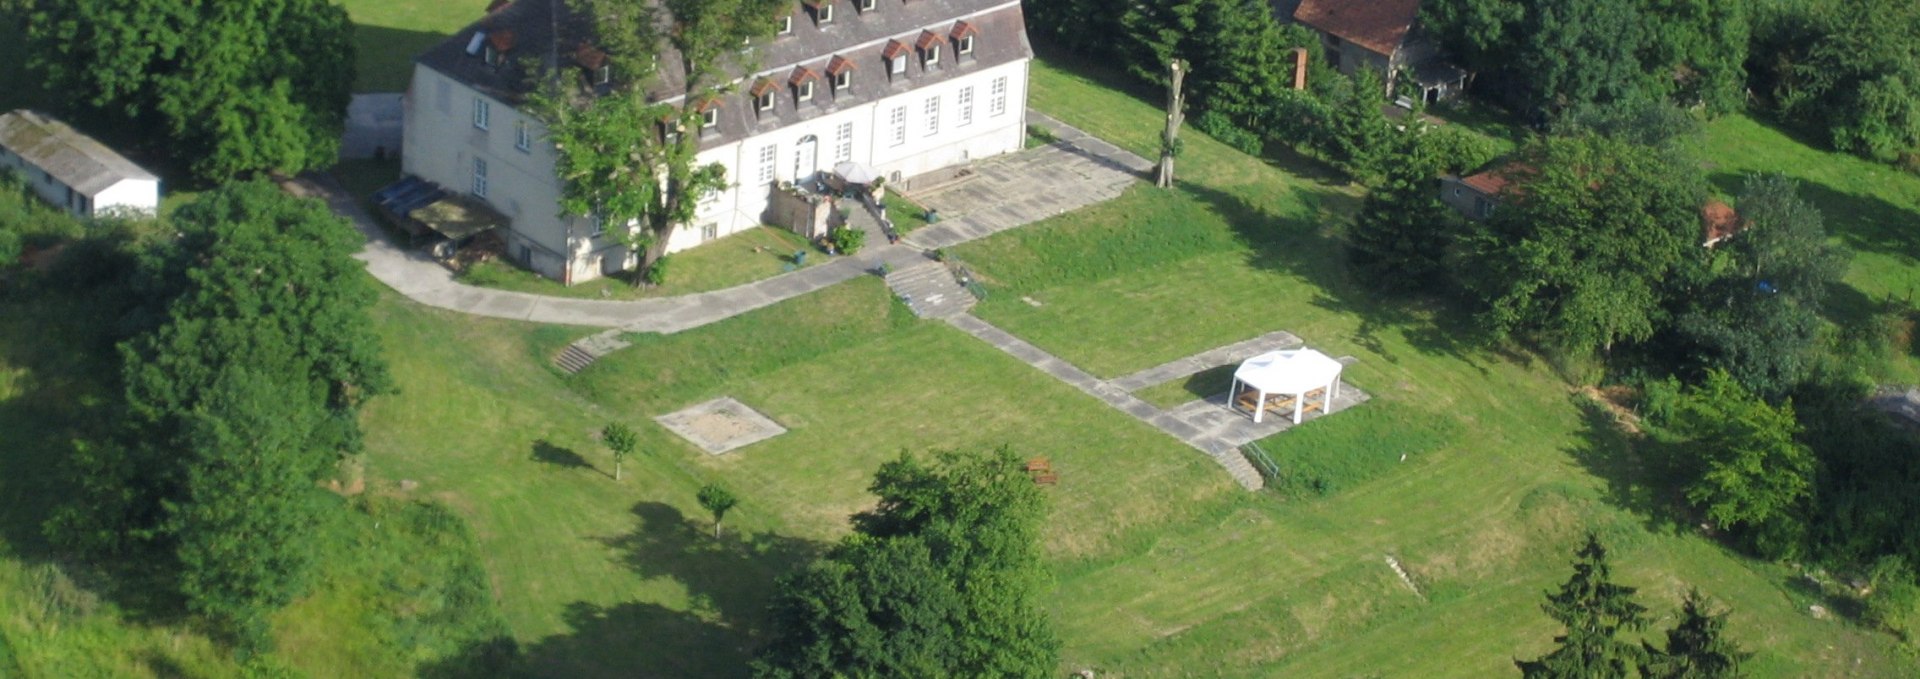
[[720, 425]]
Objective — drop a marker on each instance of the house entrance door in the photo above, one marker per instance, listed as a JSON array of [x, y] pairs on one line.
[[806, 158]]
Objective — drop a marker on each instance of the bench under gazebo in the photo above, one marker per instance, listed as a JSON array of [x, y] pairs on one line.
[[1299, 380]]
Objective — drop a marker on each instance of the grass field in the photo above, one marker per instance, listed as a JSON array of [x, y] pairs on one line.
[[388, 34], [1162, 566], [738, 259]]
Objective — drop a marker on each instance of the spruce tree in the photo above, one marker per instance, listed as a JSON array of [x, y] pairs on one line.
[[1595, 610], [1696, 648]]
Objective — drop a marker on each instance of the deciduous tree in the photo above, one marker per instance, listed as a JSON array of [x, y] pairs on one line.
[[621, 440], [1759, 319], [940, 579], [1753, 475], [249, 385], [225, 88], [717, 501], [1591, 242], [626, 160]]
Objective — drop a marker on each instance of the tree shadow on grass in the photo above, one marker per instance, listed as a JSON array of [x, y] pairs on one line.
[[1641, 472], [729, 583], [1306, 246], [545, 451], [1863, 222]]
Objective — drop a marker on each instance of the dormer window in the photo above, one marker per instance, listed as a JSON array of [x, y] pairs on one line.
[[896, 55], [962, 36], [762, 92], [786, 24], [841, 70], [497, 44], [867, 5], [929, 46], [709, 118], [802, 82], [822, 11], [603, 75]]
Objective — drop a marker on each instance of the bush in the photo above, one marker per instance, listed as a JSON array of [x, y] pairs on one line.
[[847, 240], [657, 274], [1456, 150], [1215, 125]]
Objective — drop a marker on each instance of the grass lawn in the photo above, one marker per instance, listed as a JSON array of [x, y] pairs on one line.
[[738, 259], [1162, 566], [1504, 467], [388, 34]]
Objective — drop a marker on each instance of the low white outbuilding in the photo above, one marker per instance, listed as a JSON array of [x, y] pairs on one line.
[[72, 170], [1297, 379]]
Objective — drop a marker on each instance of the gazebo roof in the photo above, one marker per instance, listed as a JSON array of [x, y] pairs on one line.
[[1294, 371]]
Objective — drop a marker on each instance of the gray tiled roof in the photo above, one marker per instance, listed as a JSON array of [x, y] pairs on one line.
[[71, 157], [548, 33]]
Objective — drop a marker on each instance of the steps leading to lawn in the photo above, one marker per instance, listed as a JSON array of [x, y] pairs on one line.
[[930, 290], [584, 351]]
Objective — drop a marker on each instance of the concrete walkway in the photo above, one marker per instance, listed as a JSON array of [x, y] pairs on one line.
[[1226, 455], [1208, 360], [427, 282]]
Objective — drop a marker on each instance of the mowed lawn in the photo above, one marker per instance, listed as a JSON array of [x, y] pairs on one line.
[[605, 578], [1482, 522], [388, 34]]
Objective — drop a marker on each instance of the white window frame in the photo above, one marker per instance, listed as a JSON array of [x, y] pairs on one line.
[[482, 113], [523, 136], [824, 10], [804, 90], [769, 154], [786, 25], [843, 142], [598, 224], [932, 111], [480, 177], [603, 75], [897, 124], [710, 118], [843, 79], [898, 66], [963, 102], [763, 101], [966, 45], [998, 104], [933, 55], [868, 5], [709, 231]]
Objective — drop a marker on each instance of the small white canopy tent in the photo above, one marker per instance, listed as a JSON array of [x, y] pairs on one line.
[[1297, 372]]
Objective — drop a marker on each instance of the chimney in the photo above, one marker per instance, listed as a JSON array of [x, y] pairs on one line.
[[1299, 68]]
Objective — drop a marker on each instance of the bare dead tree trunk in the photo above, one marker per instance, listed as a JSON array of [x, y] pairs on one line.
[[1170, 139]]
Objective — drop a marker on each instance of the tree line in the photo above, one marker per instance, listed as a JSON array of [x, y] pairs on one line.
[[1846, 70]]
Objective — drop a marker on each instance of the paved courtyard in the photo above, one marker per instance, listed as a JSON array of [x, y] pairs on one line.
[[1013, 190]]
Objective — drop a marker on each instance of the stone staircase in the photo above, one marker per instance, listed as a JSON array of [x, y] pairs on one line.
[[930, 290], [584, 351]]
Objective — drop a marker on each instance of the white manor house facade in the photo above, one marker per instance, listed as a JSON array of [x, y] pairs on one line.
[[906, 87]]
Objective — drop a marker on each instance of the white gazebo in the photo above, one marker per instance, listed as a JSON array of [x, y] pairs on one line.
[[1281, 379]]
